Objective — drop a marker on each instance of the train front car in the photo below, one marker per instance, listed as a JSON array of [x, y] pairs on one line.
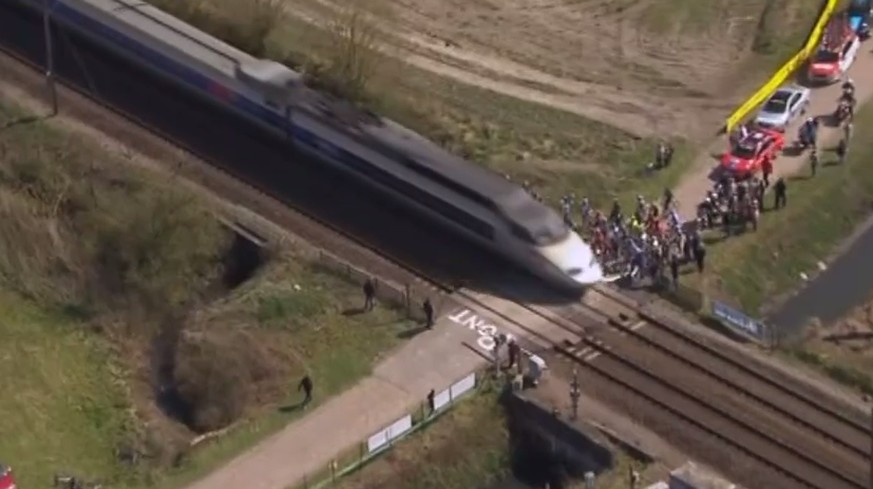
[[575, 259], [561, 256]]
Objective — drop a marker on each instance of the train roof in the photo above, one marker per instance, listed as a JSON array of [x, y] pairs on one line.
[[456, 176], [173, 31]]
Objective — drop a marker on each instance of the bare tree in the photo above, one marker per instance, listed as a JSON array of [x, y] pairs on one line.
[[354, 56]]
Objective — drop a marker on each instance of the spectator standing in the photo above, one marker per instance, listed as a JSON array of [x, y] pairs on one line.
[[431, 401], [369, 294], [427, 308], [780, 192], [700, 256], [674, 270], [306, 386], [842, 150], [767, 170]]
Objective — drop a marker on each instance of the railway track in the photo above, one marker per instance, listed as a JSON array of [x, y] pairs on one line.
[[783, 432]]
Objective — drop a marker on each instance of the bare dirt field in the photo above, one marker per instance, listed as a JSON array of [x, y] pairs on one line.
[[664, 67]]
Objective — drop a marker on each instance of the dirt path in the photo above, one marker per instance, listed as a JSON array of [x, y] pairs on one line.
[[609, 71], [693, 187]]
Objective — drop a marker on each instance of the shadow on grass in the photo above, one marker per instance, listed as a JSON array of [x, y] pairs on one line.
[[291, 408], [354, 311], [411, 333], [21, 121]]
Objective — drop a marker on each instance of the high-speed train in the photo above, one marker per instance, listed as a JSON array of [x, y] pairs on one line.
[[397, 162]]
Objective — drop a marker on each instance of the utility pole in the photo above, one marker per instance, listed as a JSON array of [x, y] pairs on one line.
[[575, 393], [49, 56]]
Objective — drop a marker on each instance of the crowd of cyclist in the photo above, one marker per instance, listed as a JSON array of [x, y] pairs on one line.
[[652, 241]]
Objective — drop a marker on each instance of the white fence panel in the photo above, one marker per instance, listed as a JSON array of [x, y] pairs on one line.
[[399, 427], [442, 399], [377, 441], [462, 386]]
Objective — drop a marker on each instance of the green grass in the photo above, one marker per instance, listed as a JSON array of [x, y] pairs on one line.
[[467, 448], [64, 405], [309, 326], [96, 259], [756, 268], [841, 369]]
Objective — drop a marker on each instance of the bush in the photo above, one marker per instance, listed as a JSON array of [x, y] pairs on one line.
[[244, 24], [220, 372], [82, 235]]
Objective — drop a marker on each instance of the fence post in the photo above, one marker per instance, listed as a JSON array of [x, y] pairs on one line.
[[408, 299]]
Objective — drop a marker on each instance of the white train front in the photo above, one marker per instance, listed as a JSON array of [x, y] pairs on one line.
[[413, 171]]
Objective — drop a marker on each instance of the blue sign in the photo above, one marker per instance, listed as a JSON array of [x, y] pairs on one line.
[[738, 320]]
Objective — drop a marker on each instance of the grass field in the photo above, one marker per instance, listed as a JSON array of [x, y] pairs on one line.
[[756, 268], [99, 264], [64, 405]]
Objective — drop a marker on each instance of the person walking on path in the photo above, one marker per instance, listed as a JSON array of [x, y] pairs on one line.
[[369, 294], [427, 307], [306, 386]]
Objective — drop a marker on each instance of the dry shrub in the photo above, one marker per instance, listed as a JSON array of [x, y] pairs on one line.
[[160, 249], [36, 252], [90, 235], [221, 371], [244, 24]]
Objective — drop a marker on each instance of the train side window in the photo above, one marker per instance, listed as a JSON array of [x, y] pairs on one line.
[[434, 203]]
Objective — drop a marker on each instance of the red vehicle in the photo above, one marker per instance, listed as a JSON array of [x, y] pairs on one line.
[[749, 153], [836, 53], [6, 480]]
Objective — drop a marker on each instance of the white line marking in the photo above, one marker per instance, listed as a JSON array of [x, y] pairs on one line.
[[592, 356], [638, 325]]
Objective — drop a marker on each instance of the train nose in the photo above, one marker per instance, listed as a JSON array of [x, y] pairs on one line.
[[589, 275]]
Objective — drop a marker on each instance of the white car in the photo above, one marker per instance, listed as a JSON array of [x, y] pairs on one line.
[[785, 105]]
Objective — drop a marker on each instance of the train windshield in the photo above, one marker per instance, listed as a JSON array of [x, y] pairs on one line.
[[537, 224]]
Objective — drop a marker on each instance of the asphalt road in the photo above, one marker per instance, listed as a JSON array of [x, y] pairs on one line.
[[844, 285]]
